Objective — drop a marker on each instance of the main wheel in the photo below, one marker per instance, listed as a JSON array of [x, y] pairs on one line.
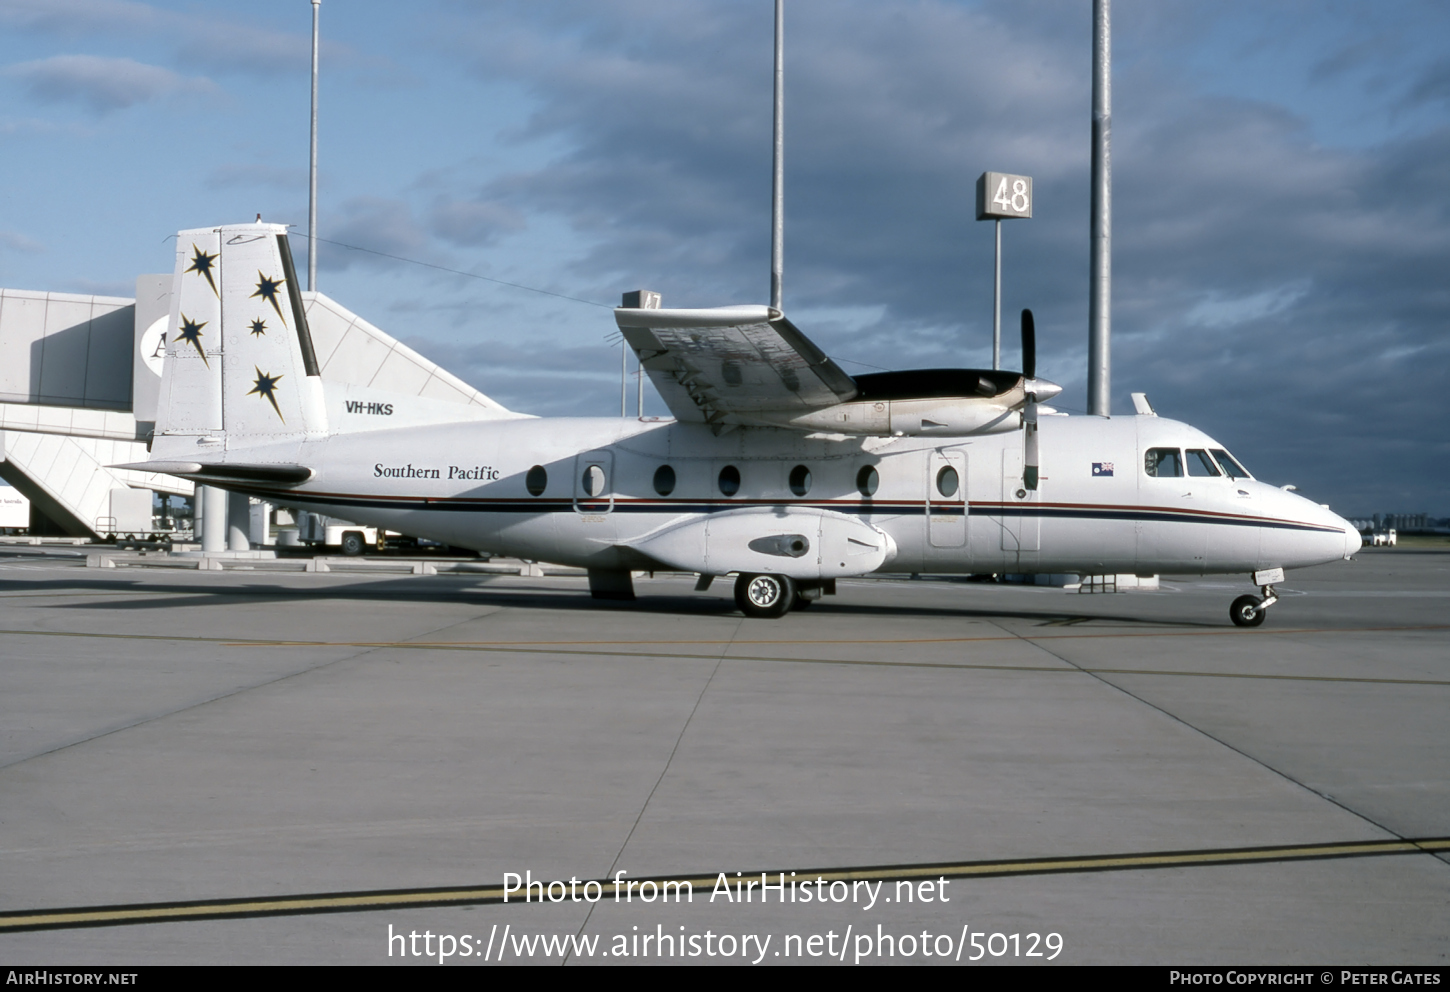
[[354, 543], [764, 597], [1246, 613]]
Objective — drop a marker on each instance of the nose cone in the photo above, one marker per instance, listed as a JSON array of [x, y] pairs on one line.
[[1353, 539], [1301, 532], [1351, 542]]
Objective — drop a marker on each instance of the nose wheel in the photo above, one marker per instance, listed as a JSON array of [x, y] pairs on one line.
[[1250, 611]]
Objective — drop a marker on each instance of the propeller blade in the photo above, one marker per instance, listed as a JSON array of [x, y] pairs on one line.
[[1029, 412], [1029, 346]]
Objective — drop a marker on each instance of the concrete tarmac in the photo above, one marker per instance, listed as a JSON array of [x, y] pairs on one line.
[[169, 737]]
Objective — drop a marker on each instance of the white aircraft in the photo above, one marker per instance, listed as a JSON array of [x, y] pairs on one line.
[[778, 467]]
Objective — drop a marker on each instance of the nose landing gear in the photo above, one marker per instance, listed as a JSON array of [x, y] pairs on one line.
[[1249, 611]]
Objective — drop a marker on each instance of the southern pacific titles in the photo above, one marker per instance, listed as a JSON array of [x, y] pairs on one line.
[[484, 473]]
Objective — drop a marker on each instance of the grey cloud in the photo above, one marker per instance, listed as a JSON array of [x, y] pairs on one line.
[[76, 17], [101, 84], [204, 41], [376, 223], [539, 375], [1432, 86], [1354, 55], [473, 222], [15, 241], [256, 174]]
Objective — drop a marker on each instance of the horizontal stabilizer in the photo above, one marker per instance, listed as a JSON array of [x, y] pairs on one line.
[[286, 475]]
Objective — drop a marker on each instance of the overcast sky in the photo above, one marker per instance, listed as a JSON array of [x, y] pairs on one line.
[[1281, 189]]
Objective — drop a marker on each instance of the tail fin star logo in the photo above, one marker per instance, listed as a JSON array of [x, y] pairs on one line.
[[259, 327], [191, 333], [266, 387], [267, 289], [201, 264]]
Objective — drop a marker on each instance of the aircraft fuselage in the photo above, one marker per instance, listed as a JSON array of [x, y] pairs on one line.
[[608, 483]]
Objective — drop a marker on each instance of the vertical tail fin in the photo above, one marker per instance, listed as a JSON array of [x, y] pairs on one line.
[[240, 369]]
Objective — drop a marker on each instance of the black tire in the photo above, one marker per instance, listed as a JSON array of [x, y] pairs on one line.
[[354, 543], [764, 597], [1245, 612]]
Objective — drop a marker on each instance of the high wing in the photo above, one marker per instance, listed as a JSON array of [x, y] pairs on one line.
[[733, 365]]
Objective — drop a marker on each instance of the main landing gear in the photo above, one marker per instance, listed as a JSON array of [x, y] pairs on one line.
[[765, 597], [1250, 611]]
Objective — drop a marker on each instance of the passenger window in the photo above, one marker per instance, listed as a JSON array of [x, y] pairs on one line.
[[1163, 463], [947, 481], [664, 480], [1231, 467], [729, 480], [800, 480], [1200, 466], [593, 482], [867, 481], [536, 481]]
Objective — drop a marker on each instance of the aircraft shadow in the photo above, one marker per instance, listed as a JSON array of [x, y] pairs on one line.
[[481, 594]]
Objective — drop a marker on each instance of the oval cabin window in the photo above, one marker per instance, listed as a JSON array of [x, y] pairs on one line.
[[800, 480], [593, 482], [867, 481], [664, 480], [729, 480], [536, 481], [947, 482]]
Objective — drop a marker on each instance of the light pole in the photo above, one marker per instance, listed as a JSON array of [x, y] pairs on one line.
[[312, 164], [777, 198], [1100, 277]]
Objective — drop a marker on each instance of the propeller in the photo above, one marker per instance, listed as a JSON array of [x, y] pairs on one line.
[[1029, 412]]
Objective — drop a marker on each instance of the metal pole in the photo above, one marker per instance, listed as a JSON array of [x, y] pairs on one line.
[[777, 200], [213, 503], [239, 522], [997, 303], [623, 377], [639, 374], [312, 168], [1100, 285]]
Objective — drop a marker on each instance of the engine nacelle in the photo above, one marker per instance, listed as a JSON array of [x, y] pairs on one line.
[[945, 417], [803, 543], [997, 411]]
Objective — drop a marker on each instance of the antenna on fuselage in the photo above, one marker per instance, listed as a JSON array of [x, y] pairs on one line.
[[777, 190]]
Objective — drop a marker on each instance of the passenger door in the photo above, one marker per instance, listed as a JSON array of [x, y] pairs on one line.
[[946, 498], [594, 482]]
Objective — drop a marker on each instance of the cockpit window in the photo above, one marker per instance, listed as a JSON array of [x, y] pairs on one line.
[[1231, 468], [1200, 466], [1163, 463]]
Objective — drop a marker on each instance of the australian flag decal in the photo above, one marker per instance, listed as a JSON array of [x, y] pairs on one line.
[[1102, 468]]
